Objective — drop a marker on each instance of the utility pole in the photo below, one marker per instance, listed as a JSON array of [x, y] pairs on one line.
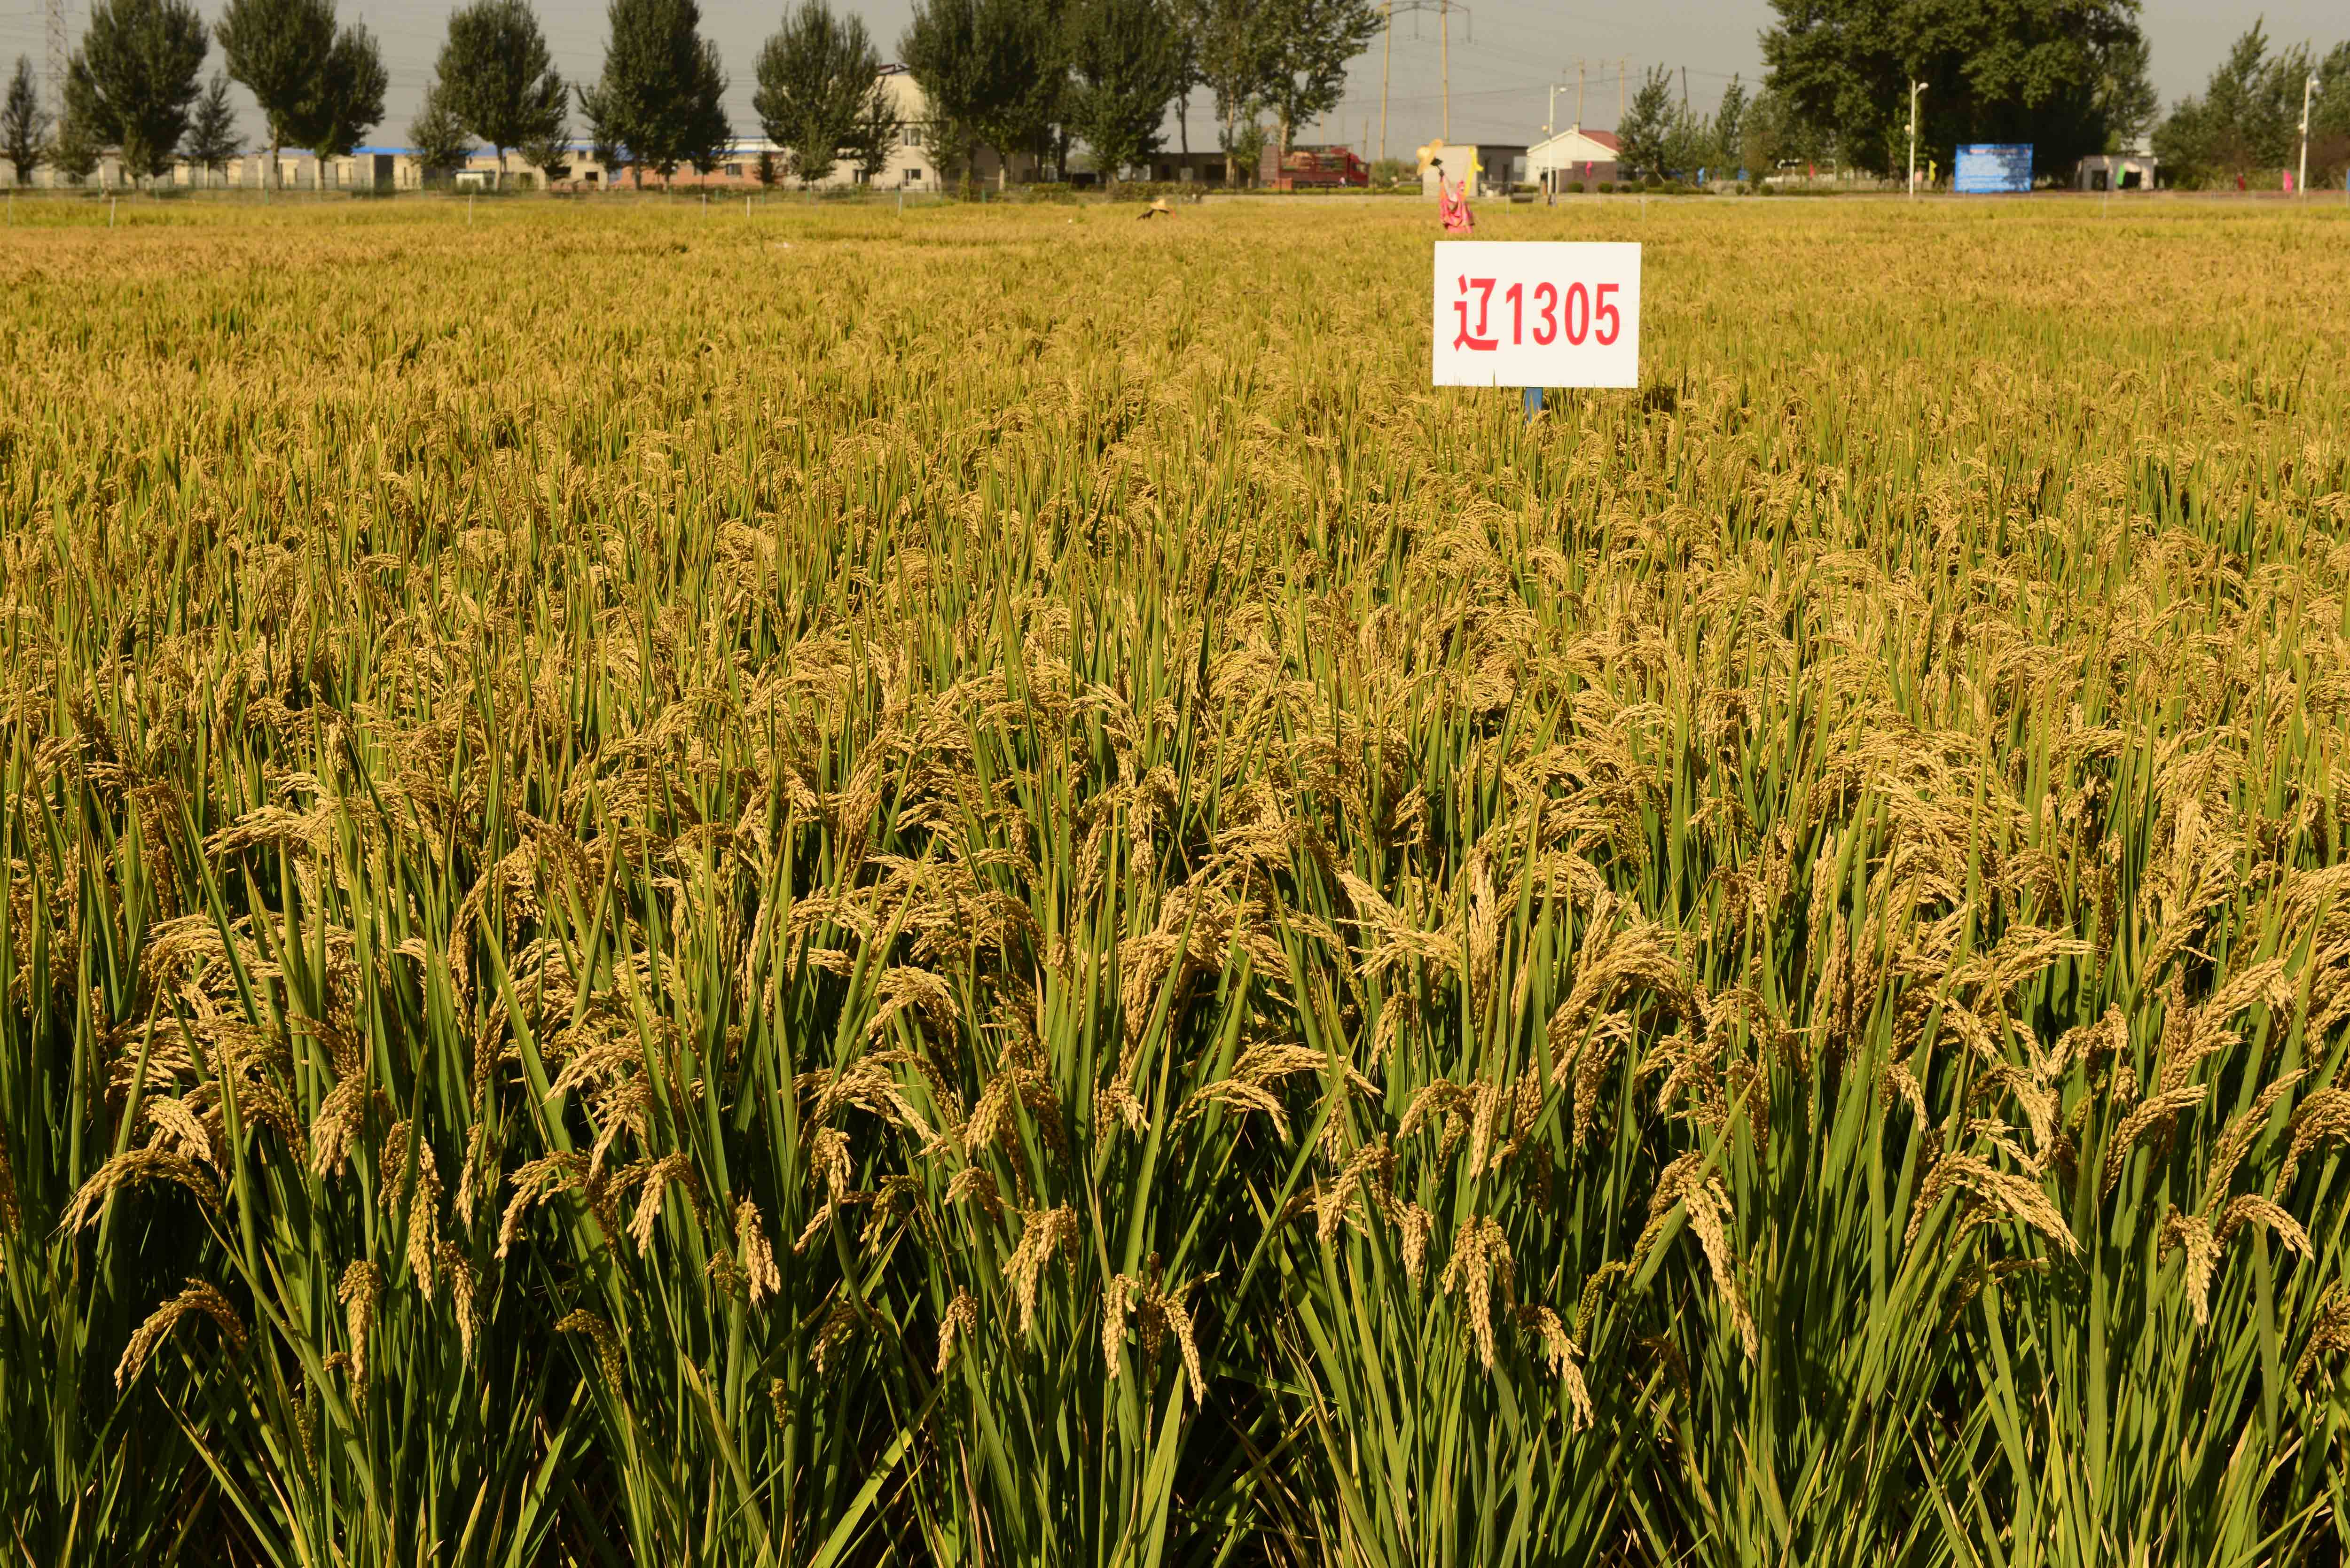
[[1578, 92], [1915, 89], [1684, 91], [1443, 9], [2301, 185], [1621, 66], [1387, 68]]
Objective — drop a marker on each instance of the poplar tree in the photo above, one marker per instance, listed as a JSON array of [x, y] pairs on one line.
[[438, 134], [1310, 44], [604, 144], [663, 89], [995, 73], [348, 99], [23, 123], [1127, 63], [944, 47], [819, 78], [212, 137], [498, 78], [129, 85], [318, 86]]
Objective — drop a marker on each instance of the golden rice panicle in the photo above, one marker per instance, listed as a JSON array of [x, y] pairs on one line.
[[1042, 1234], [200, 1298], [610, 1358], [362, 1283], [758, 1258], [958, 1322], [137, 1167]]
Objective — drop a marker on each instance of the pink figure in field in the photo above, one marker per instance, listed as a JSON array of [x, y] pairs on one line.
[[1452, 203]]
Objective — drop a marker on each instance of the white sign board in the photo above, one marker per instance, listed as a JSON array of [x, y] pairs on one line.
[[1537, 313]]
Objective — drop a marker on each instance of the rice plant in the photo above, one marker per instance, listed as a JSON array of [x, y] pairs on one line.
[[970, 887]]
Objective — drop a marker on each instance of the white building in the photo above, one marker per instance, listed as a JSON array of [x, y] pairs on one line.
[[1574, 154], [1487, 168], [2116, 172]]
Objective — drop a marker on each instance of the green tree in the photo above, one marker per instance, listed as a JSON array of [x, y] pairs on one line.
[[995, 73], [707, 133], [277, 49], [1030, 52], [604, 144], [1189, 18], [550, 152], [1233, 55], [2031, 71], [349, 98], [318, 86], [1641, 139], [1763, 135], [1127, 63], [2329, 119], [129, 85], [1244, 147], [438, 134], [212, 137], [940, 50], [819, 78], [1311, 44], [74, 151], [2248, 118], [2126, 100], [1768, 131], [1689, 144], [23, 123], [876, 134], [663, 89], [1726, 136], [498, 78]]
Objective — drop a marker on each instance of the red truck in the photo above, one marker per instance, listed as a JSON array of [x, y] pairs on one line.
[[1307, 166]]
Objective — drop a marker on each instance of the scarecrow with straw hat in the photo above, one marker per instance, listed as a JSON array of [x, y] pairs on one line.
[[1451, 200]]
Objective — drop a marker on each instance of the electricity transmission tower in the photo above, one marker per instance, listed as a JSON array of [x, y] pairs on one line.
[[60, 47]]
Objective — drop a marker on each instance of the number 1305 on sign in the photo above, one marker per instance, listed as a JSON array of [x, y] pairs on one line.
[[1537, 314]]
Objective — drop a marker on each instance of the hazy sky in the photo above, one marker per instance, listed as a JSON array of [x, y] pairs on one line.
[[1506, 54]]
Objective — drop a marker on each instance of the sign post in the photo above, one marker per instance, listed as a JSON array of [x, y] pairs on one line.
[[1536, 314], [1993, 169]]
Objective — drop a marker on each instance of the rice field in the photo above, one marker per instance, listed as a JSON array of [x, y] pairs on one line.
[[824, 887]]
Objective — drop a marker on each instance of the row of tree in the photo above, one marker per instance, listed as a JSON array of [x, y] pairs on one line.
[[1660, 135], [2069, 77], [133, 87], [1021, 76], [658, 104], [2248, 117], [1034, 75]]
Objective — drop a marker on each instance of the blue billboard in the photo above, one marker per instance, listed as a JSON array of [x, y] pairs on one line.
[[1989, 168]]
